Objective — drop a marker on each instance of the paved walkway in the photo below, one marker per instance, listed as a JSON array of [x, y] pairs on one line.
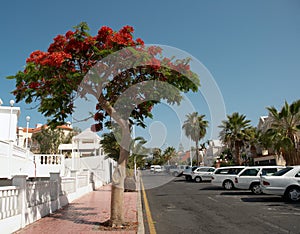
[[85, 215]]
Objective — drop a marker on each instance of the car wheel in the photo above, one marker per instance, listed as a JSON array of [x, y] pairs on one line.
[[228, 185], [175, 173], [293, 194], [188, 178], [198, 179], [256, 189]]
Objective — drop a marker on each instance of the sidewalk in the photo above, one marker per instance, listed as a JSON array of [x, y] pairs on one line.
[[86, 214]]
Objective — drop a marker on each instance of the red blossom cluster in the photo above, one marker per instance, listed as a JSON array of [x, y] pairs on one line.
[[107, 38], [54, 59], [79, 46]]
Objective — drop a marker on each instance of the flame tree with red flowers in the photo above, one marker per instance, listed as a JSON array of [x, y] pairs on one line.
[[127, 78]]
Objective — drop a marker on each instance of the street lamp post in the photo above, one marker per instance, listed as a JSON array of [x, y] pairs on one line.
[[11, 102], [27, 126]]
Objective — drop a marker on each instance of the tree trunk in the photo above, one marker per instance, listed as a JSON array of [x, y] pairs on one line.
[[118, 178], [237, 154], [197, 153]]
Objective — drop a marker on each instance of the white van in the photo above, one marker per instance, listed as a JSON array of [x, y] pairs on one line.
[[155, 168]]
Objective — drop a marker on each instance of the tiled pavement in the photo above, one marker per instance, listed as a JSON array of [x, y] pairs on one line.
[[85, 215]]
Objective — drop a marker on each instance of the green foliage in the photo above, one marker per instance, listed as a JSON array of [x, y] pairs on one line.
[[112, 149], [162, 158], [283, 133], [110, 146]]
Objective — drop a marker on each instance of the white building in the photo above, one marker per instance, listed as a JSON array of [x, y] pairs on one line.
[[215, 148], [87, 143], [9, 116]]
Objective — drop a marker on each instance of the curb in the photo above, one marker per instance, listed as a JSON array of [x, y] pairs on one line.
[[141, 229]]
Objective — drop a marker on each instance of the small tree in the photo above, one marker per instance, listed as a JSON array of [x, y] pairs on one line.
[[126, 77], [47, 140]]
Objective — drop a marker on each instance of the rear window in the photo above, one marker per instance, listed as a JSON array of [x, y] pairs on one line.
[[283, 171]]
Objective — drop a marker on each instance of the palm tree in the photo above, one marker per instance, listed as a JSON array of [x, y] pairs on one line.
[[110, 145], [112, 149], [284, 131], [252, 139], [168, 154], [234, 133], [195, 128]]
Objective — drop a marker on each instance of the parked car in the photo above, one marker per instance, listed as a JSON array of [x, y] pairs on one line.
[[187, 173], [249, 177], [177, 170], [202, 174], [285, 183], [155, 168], [224, 176]]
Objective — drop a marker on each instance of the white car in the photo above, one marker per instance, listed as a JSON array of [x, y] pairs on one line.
[[177, 170], [187, 173], [202, 174], [284, 183], [224, 176], [249, 177]]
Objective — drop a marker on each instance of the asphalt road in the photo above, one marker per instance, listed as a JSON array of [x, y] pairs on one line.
[[181, 207]]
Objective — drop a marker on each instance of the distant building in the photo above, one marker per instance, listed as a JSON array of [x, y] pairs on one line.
[[22, 132], [213, 151]]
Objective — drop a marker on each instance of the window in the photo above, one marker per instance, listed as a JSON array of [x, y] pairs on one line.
[[234, 171], [268, 171], [250, 172], [202, 169], [222, 171], [298, 174]]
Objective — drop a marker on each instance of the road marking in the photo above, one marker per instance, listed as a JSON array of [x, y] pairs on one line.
[[272, 225], [212, 199], [148, 212]]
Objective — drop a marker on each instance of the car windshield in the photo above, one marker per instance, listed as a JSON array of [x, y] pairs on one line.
[[283, 171]]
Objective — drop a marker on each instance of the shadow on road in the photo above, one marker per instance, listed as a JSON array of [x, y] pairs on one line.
[[215, 188], [269, 199], [264, 199], [236, 193], [176, 179]]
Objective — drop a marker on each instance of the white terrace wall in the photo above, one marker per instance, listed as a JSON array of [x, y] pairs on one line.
[[46, 163], [15, 160], [27, 201], [100, 166]]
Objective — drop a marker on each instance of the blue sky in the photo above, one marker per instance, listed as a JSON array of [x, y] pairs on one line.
[[251, 48]]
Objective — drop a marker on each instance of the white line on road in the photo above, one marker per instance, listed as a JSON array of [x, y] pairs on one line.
[[213, 199], [272, 225]]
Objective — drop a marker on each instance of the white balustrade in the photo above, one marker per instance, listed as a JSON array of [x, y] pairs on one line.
[[8, 201]]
